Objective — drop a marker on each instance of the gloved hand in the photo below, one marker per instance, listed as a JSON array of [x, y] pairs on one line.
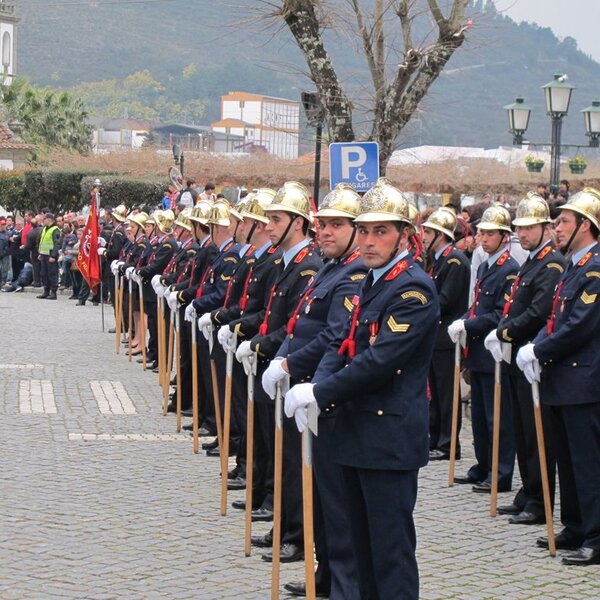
[[120, 265], [160, 290], [129, 271], [101, 251], [101, 241], [113, 267], [456, 330], [296, 403], [135, 275], [494, 345], [528, 363], [190, 312], [172, 301], [245, 354], [274, 374], [155, 281], [205, 325], [226, 337]]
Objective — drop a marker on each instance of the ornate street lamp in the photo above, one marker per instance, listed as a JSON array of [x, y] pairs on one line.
[[591, 116], [558, 95], [518, 119]]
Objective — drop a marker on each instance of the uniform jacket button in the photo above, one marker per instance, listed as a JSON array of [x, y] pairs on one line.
[[399, 372], [380, 412]]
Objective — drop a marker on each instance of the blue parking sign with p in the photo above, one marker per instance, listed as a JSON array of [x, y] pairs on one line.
[[355, 163]]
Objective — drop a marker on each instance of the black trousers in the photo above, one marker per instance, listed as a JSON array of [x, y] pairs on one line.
[[337, 570], [379, 508], [482, 419], [49, 273], [35, 265], [530, 497], [576, 430], [206, 402], [264, 449], [441, 385]]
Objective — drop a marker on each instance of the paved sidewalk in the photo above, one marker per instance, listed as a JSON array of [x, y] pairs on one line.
[[101, 498]]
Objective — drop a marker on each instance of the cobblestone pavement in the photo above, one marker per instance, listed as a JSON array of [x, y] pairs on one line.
[[101, 499]]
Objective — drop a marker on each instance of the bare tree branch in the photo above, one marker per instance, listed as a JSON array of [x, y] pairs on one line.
[[405, 22]]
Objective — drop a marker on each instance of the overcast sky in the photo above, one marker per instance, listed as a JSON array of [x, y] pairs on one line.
[[575, 18]]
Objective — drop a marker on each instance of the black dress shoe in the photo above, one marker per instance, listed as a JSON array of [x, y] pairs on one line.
[[156, 370], [261, 514], [287, 553], [239, 483], [172, 408], [509, 509], [112, 330], [563, 541], [42, 296], [187, 412], [235, 473], [214, 452], [583, 557], [137, 353], [262, 541], [436, 454], [52, 296], [299, 589], [527, 518], [485, 487], [466, 479], [211, 445], [151, 366], [72, 297], [239, 504], [80, 303]]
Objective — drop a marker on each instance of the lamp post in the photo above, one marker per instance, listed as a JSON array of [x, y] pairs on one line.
[[178, 157], [558, 96], [315, 117], [518, 119], [591, 117]]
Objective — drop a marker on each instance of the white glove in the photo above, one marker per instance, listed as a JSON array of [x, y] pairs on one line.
[[136, 277], [494, 345], [272, 376], [101, 251], [205, 325], [296, 403], [190, 312], [225, 337], [113, 267], [101, 241], [172, 300], [528, 363], [159, 289], [456, 330], [155, 281], [245, 355], [120, 264], [129, 271]]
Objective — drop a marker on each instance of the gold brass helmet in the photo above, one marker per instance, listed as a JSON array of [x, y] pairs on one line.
[[413, 215], [151, 220], [442, 220], [532, 210], [383, 202], [292, 197], [164, 221], [120, 213], [585, 203], [238, 207], [256, 208], [220, 214], [183, 219], [139, 219], [495, 217], [342, 201], [201, 212]]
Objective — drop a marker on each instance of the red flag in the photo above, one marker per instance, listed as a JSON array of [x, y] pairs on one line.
[[88, 260]]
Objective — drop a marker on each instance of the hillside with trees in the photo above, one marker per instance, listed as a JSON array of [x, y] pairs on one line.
[[173, 61]]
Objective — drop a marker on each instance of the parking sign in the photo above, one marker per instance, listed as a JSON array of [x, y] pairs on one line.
[[355, 163]]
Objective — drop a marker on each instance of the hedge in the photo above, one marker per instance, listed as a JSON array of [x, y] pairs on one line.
[[12, 191], [129, 191]]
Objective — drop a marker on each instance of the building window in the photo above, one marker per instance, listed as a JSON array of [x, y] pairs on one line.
[[6, 53]]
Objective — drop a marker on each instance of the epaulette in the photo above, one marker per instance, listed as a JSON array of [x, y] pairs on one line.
[[585, 258], [352, 257], [502, 259], [272, 250], [544, 252], [302, 255], [447, 251], [399, 268]]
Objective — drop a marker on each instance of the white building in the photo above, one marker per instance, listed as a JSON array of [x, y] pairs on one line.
[[8, 21], [266, 123]]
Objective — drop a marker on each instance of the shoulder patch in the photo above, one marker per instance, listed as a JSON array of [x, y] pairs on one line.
[[506, 297], [592, 274], [414, 294], [230, 259], [224, 278], [277, 261], [588, 298], [307, 273], [505, 335], [510, 277], [558, 267], [451, 261], [397, 327], [357, 276], [348, 304], [191, 251]]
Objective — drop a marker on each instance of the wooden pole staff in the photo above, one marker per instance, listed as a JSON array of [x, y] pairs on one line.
[[455, 409], [169, 366], [224, 448], [143, 325], [130, 332], [118, 297], [496, 438], [194, 384], [539, 430], [159, 331], [178, 359], [277, 492], [307, 503], [250, 456], [215, 388]]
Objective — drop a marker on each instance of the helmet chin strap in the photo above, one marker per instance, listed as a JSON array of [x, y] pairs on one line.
[[287, 229], [350, 243], [430, 248], [566, 250], [236, 230], [251, 232], [397, 246], [541, 236], [501, 243]]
